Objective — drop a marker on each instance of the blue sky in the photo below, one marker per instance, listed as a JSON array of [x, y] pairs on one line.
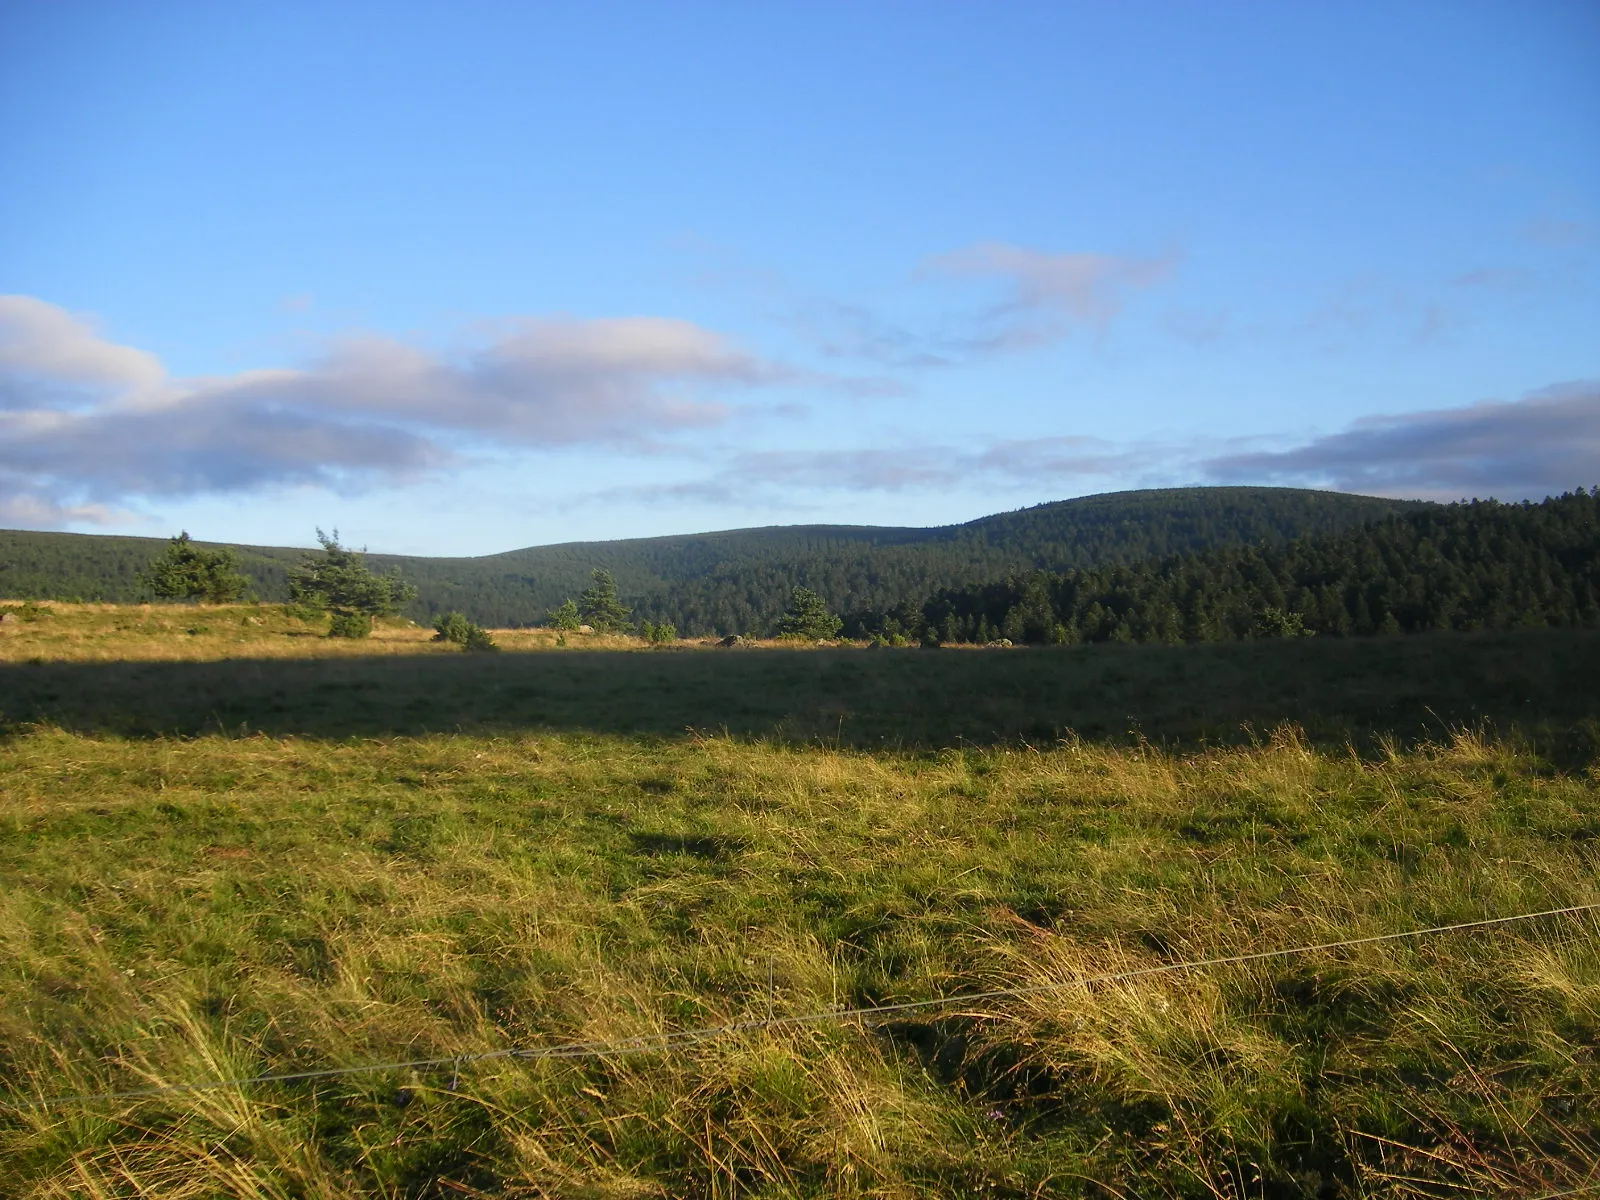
[[460, 278]]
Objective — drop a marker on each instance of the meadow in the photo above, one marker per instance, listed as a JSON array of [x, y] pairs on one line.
[[231, 847]]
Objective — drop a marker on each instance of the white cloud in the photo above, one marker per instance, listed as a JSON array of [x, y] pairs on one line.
[[36, 512], [48, 344], [371, 409], [540, 382]]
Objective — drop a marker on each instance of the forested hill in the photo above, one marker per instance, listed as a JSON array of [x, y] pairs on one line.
[[856, 569], [1482, 565], [739, 581]]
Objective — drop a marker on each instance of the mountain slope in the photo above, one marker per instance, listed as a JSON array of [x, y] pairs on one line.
[[739, 580], [1482, 565]]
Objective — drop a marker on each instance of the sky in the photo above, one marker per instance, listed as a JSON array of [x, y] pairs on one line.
[[455, 279]]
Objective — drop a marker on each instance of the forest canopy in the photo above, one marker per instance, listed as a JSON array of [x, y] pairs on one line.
[[1480, 565], [741, 581], [1188, 564]]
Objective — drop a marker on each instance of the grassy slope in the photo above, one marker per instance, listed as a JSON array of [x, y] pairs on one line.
[[277, 676], [519, 586], [175, 908]]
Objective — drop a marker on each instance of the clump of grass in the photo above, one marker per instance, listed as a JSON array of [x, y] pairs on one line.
[[27, 610], [178, 910]]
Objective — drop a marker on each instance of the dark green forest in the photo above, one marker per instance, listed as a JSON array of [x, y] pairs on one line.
[[1481, 565], [739, 581]]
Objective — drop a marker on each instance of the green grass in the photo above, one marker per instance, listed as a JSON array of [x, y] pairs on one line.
[[139, 672], [179, 905]]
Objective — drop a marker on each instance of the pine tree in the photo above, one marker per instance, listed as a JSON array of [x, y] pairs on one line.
[[565, 619], [186, 572], [808, 617], [339, 582], [600, 607]]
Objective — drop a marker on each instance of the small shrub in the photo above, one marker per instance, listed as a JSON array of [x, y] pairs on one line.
[[1280, 623], [658, 635], [452, 627], [478, 640], [350, 625]]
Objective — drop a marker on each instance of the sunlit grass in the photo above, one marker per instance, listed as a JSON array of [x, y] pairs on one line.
[[179, 910], [55, 631]]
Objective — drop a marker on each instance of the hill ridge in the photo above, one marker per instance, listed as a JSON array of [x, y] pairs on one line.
[[736, 580]]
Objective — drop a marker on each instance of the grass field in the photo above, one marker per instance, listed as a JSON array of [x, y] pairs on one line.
[[237, 670], [221, 857]]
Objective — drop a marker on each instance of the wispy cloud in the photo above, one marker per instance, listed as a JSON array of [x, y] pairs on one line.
[[1494, 278], [1062, 464], [1562, 234], [1049, 295], [85, 421], [1199, 327], [853, 331], [1043, 298], [31, 512], [1512, 450], [1076, 459]]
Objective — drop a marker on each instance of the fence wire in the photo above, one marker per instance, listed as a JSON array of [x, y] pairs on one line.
[[675, 1039]]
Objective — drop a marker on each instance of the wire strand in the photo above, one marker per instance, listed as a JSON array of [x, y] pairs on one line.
[[656, 1042]]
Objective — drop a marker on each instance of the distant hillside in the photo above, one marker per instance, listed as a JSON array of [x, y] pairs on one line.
[[1482, 565], [739, 580]]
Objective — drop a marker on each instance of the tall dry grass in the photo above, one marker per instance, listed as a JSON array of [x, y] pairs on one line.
[[182, 910]]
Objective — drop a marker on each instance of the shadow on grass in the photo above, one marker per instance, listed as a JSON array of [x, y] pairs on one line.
[[1543, 682]]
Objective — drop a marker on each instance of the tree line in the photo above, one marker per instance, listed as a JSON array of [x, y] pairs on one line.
[[336, 584], [742, 581], [1477, 565]]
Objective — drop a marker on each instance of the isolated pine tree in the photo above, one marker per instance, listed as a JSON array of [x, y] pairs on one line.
[[339, 582], [808, 617], [599, 605], [186, 572]]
